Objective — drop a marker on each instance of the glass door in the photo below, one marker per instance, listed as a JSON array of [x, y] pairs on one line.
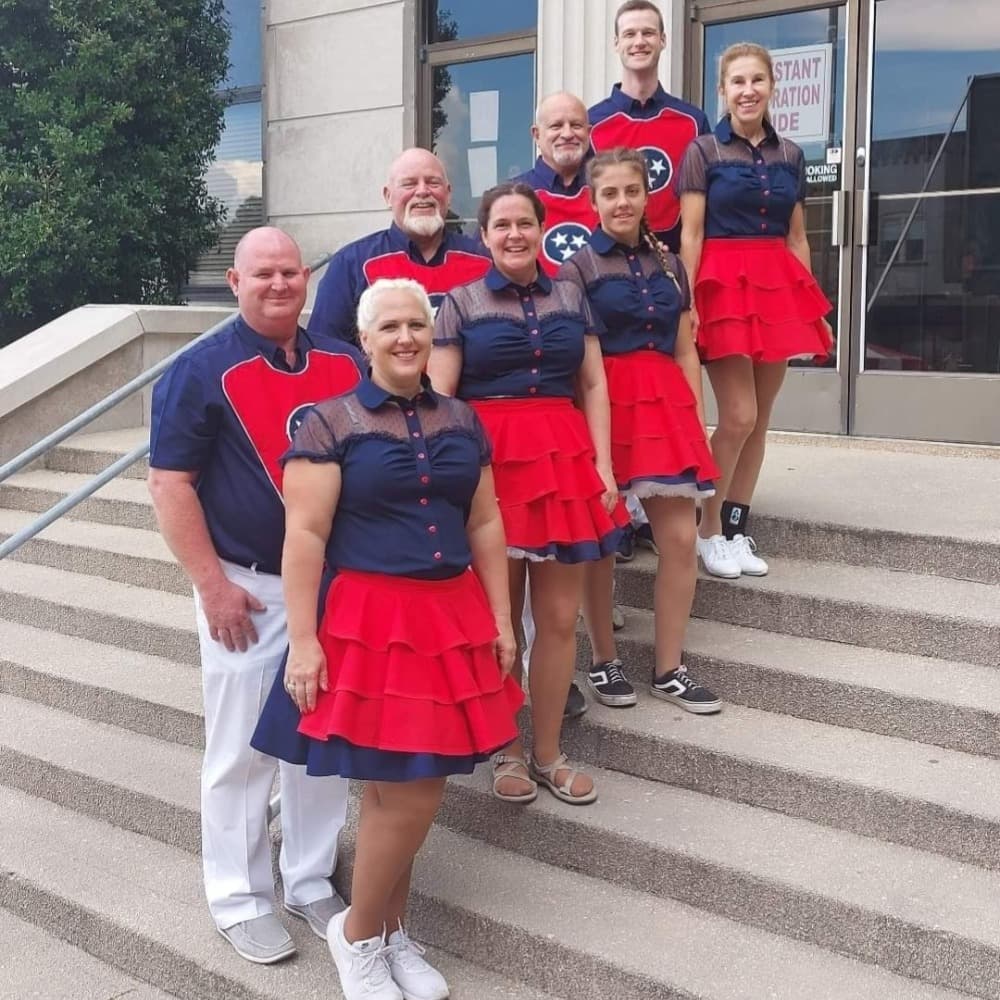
[[813, 51], [927, 226]]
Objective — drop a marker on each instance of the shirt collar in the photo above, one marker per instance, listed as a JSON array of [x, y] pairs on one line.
[[621, 100], [497, 281], [268, 348], [603, 243], [398, 240], [725, 134], [554, 183], [372, 396]]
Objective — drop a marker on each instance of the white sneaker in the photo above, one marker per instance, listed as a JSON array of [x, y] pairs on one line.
[[414, 975], [742, 549], [363, 966], [717, 558]]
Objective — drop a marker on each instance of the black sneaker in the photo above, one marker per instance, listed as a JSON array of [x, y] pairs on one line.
[[644, 538], [609, 684], [626, 546], [576, 704], [679, 687]]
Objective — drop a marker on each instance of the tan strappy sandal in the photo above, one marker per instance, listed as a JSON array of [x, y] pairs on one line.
[[544, 775], [506, 766]]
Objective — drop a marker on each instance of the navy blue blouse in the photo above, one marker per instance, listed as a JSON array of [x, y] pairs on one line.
[[516, 341], [749, 190], [637, 303], [409, 470]]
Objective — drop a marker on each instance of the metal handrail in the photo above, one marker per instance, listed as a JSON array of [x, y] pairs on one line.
[[48, 442]]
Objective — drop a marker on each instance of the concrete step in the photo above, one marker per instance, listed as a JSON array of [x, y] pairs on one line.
[[118, 890], [34, 964], [875, 785], [93, 453], [124, 502], [103, 611], [137, 904], [144, 694], [126, 555], [132, 781], [943, 702], [904, 909], [878, 786], [860, 606], [818, 498], [825, 498]]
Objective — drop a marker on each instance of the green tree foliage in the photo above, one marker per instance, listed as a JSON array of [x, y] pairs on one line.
[[108, 119]]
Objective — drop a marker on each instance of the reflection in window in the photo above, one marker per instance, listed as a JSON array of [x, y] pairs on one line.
[[937, 308], [482, 114], [911, 243], [451, 20], [235, 176]]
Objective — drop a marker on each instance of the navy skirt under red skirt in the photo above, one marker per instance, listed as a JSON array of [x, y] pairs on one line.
[[658, 445], [755, 298], [415, 689], [546, 482]]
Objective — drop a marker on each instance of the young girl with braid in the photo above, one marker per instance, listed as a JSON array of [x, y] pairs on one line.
[[639, 292]]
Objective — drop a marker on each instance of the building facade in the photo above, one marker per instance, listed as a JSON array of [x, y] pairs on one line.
[[890, 99]]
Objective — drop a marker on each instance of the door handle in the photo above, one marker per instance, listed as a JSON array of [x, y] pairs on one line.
[[866, 211], [838, 219]]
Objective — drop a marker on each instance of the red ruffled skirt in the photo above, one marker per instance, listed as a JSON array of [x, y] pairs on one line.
[[754, 298], [412, 668], [546, 481], [658, 446]]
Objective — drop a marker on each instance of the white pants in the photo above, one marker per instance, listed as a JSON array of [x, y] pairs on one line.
[[236, 780]]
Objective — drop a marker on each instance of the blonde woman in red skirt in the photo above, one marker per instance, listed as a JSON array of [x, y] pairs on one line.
[[757, 304]]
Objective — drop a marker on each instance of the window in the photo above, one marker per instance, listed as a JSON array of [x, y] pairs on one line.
[[911, 245], [477, 94], [235, 176]]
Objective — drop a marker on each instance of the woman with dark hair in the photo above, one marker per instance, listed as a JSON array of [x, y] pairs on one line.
[[405, 680], [659, 451], [520, 348], [743, 241]]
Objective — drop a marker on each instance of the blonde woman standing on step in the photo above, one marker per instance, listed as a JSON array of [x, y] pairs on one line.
[[743, 241]]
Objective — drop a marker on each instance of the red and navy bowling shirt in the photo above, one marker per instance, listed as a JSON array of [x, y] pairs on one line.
[[390, 254], [228, 409], [570, 217], [661, 129]]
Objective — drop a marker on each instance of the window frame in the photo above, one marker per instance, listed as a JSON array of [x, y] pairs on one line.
[[430, 55]]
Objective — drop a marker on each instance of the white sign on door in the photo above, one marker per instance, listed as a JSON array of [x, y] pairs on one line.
[[800, 103]]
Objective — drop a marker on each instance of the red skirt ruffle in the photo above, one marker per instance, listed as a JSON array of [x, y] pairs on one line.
[[754, 298], [412, 667], [658, 445], [547, 485]]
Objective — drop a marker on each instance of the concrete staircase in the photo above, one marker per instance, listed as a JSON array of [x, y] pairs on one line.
[[833, 835]]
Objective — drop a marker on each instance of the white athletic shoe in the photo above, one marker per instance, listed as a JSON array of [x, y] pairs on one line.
[[363, 966], [413, 974], [717, 558], [742, 549]]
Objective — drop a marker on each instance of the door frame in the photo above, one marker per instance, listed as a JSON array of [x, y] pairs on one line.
[[817, 400]]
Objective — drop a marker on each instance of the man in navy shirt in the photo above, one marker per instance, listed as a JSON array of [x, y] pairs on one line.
[[222, 416], [640, 114], [562, 133], [416, 246]]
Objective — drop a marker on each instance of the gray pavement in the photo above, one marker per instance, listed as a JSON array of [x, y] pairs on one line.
[[35, 965]]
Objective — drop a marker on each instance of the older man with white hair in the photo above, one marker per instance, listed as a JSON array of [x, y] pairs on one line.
[[417, 245], [562, 133]]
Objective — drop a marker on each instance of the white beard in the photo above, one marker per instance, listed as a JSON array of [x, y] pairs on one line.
[[424, 225], [568, 157]]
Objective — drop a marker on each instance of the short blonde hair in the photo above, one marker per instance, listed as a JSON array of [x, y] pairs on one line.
[[368, 303]]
